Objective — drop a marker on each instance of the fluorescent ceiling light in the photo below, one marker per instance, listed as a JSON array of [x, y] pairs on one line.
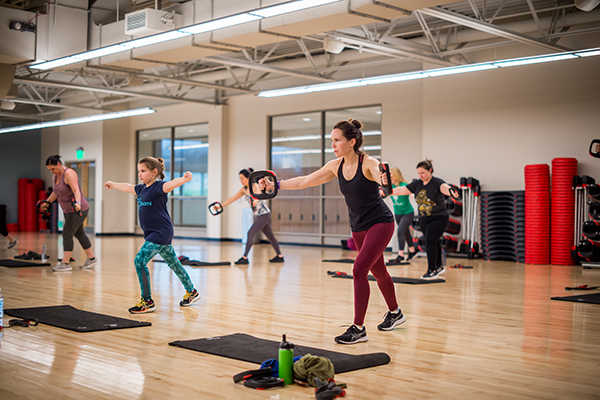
[[290, 7], [371, 133], [101, 52], [220, 23], [377, 80], [290, 152], [534, 60], [460, 70], [80, 120], [394, 78], [191, 146], [588, 53], [154, 39], [320, 87], [59, 62], [295, 138]]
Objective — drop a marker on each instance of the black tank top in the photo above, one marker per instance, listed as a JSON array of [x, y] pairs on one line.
[[365, 205]]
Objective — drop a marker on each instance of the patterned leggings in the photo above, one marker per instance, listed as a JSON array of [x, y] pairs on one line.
[[143, 257]]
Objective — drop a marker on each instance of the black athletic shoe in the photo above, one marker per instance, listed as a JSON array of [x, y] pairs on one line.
[[396, 261], [276, 259], [353, 335], [391, 321], [411, 255], [242, 261], [433, 274]]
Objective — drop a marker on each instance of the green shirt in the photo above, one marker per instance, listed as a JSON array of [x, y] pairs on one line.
[[402, 203]]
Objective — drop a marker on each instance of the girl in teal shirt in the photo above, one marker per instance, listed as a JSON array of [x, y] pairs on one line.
[[403, 213]]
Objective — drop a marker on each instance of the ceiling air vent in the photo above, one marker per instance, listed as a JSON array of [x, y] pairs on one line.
[[149, 21]]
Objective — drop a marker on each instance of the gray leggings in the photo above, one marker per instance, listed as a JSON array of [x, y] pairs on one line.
[[74, 227], [404, 222], [261, 223]]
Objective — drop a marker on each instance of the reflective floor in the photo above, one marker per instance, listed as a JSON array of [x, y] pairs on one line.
[[490, 332]]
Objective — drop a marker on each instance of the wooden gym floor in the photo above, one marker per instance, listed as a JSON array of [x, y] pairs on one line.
[[491, 332]]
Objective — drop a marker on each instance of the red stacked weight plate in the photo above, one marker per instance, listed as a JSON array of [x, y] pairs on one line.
[[563, 209], [537, 214]]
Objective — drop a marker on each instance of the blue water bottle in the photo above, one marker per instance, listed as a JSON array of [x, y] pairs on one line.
[[286, 361]]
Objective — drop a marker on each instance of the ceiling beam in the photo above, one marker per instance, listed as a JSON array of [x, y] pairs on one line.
[[486, 27], [49, 83], [181, 81], [266, 68], [52, 104]]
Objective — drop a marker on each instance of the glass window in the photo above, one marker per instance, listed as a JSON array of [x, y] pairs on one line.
[[187, 146], [301, 144]]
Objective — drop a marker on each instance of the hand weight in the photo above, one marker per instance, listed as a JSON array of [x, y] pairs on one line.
[[262, 184], [214, 210], [387, 189]]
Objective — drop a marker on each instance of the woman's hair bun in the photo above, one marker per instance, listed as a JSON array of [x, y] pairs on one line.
[[355, 122]]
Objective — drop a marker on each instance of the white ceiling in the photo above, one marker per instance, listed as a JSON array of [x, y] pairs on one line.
[[457, 33]]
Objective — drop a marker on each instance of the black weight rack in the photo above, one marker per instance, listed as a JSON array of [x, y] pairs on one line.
[[502, 226]]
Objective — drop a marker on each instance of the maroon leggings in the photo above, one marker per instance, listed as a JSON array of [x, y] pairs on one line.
[[371, 244]]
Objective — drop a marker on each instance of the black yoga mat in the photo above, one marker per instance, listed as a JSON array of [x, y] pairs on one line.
[[593, 298], [17, 263], [240, 346], [396, 279], [341, 260], [68, 317], [194, 263]]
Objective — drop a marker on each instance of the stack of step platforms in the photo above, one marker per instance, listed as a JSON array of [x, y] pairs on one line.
[[502, 225]]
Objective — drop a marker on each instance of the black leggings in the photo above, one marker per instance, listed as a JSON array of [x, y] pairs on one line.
[[404, 222], [261, 223], [3, 230], [74, 227], [433, 228]]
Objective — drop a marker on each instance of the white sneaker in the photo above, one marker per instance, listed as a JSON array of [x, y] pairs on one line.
[[62, 267], [12, 244], [89, 263]]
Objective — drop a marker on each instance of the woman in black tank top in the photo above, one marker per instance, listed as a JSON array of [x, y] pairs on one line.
[[371, 222]]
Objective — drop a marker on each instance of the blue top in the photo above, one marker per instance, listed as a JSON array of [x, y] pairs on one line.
[[365, 204], [154, 217]]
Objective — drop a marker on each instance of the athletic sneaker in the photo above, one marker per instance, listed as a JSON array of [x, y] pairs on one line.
[[12, 244], [62, 267], [411, 254], [353, 335], [433, 274], [276, 259], [89, 263], [189, 298], [242, 261], [144, 306], [391, 321], [395, 261]]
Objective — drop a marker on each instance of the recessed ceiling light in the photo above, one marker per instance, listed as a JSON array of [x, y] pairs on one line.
[[306, 119], [378, 112]]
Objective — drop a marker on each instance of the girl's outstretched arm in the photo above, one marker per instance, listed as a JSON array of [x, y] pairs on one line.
[[175, 183], [123, 187]]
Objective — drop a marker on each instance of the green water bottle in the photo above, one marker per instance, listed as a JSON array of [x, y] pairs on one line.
[[286, 361]]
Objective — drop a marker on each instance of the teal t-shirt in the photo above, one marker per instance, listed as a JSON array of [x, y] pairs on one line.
[[402, 203]]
